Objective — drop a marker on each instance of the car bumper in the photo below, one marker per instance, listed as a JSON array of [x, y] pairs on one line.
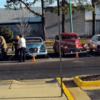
[[36, 54], [75, 52]]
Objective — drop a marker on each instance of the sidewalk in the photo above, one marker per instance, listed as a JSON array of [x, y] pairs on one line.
[[37, 89]]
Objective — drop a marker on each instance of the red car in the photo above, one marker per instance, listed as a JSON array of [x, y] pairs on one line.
[[69, 44]]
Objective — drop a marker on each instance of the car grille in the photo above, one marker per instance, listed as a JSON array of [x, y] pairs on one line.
[[33, 50]]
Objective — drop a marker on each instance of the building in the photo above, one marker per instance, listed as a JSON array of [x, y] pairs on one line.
[[88, 22], [9, 19]]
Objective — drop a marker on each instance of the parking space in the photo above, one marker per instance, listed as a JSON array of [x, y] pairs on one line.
[[52, 55]]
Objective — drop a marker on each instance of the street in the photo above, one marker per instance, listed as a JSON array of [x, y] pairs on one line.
[[49, 68]]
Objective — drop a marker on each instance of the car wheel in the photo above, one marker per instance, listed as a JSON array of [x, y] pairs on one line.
[[91, 50], [98, 47]]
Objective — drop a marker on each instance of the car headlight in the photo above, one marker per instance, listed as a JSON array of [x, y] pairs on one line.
[[42, 48], [65, 47]]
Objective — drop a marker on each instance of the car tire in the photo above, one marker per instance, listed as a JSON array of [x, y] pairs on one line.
[[91, 50]]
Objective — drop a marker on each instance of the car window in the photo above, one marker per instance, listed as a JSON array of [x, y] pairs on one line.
[[69, 37], [33, 40], [95, 38]]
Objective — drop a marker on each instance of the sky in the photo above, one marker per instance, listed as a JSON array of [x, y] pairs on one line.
[[3, 2]]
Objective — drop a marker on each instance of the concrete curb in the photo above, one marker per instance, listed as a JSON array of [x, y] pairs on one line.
[[67, 93], [81, 83]]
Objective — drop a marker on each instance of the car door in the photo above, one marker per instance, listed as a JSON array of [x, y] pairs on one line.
[[94, 42]]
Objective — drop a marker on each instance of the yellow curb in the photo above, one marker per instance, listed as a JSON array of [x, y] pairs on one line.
[[67, 93], [5, 80], [81, 83]]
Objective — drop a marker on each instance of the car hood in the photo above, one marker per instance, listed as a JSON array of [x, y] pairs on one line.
[[33, 45]]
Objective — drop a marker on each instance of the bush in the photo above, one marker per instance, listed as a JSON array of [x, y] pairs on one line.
[[6, 33]]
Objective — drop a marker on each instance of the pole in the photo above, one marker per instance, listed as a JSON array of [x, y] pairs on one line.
[[59, 45], [71, 25]]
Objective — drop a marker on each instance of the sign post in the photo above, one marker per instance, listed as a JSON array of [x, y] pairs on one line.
[[59, 44]]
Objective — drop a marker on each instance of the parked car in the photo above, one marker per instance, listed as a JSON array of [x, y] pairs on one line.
[[94, 43], [35, 46], [69, 44]]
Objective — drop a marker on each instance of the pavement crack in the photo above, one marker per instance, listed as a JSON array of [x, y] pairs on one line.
[[10, 85]]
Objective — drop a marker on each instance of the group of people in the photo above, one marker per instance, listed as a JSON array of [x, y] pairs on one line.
[[20, 45]]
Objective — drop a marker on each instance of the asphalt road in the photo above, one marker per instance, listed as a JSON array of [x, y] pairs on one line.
[[49, 67]]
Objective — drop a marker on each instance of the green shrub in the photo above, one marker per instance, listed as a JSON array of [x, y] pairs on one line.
[[6, 33]]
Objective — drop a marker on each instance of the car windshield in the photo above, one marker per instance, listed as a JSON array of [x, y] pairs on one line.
[[33, 40], [69, 37]]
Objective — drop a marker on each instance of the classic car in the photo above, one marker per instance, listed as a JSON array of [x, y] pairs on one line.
[[94, 43], [69, 44], [35, 46]]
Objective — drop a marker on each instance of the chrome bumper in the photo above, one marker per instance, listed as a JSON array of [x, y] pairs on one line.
[[36, 54], [75, 52]]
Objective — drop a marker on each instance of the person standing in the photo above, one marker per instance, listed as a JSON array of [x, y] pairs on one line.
[[15, 43], [3, 47], [22, 47]]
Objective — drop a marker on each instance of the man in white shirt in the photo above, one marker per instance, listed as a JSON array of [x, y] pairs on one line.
[[22, 46]]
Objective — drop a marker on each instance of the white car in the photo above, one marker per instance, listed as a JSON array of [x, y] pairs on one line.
[[35, 46], [94, 43]]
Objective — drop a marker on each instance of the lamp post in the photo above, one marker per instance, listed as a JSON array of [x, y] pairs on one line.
[[59, 45], [71, 25]]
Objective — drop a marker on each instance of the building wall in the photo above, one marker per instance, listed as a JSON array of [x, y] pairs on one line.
[[88, 27], [51, 23], [36, 29]]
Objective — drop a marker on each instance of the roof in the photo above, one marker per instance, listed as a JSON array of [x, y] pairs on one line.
[[12, 16]]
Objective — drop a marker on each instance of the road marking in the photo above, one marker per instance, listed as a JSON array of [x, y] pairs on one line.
[[78, 61]]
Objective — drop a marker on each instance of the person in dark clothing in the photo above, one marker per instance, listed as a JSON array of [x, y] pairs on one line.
[[22, 47], [15, 43]]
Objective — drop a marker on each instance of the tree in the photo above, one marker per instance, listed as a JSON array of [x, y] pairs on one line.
[[23, 26], [6, 33], [91, 8], [64, 10], [13, 4]]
